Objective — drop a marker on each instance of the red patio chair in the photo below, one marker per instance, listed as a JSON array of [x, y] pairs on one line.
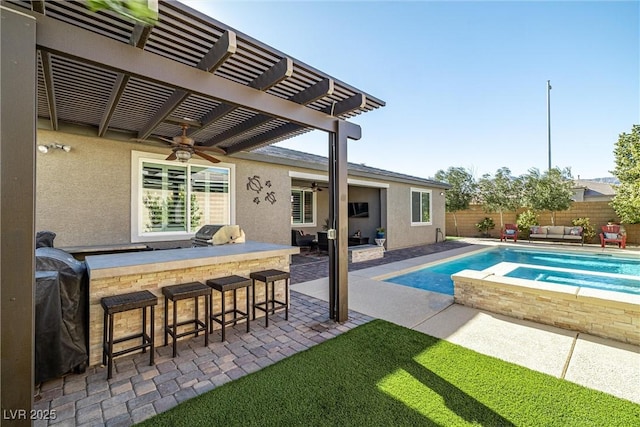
[[510, 231], [611, 234]]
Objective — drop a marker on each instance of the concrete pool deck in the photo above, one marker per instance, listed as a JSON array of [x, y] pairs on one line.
[[607, 365]]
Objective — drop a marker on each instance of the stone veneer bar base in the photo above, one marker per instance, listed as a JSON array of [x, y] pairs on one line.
[[117, 274], [605, 314]]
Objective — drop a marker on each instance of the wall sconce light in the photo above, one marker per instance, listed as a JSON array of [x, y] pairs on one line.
[[442, 193], [45, 148]]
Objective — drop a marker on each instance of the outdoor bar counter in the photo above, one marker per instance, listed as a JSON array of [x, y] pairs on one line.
[[120, 273]]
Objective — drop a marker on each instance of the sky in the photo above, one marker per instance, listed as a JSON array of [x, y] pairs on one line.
[[465, 83]]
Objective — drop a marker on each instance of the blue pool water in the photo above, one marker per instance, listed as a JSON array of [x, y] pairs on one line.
[[438, 277], [586, 280]]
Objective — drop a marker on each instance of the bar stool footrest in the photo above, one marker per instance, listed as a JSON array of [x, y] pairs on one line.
[[201, 327], [278, 306], [217, 317]]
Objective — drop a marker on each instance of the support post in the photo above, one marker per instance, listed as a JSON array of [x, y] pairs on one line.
[[338, 220], [17, 212]]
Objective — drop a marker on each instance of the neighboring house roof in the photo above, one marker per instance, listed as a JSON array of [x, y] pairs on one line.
[[285, 156], [594, 190]]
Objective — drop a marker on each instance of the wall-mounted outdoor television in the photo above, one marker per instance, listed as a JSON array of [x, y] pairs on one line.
[[358, 210]]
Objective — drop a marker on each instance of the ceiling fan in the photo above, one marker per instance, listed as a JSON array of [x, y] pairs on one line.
[[315, 187], [183, 148]]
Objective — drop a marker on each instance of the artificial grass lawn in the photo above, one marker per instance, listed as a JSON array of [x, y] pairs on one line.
[[386, 375]]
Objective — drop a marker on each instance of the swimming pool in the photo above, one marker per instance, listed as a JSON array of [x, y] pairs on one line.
[[620, 271]]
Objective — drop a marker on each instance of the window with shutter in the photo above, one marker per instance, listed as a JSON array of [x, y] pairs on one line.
[[303, 207], [177, 199]]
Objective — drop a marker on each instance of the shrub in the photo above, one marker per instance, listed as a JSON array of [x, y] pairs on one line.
[[525, 220], [587, 229], [485, 225]]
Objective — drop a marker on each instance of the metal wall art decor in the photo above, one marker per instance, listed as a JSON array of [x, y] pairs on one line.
[[271, 197], [254, 184]]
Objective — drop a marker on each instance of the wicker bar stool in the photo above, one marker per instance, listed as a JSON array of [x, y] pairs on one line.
[[271, 277], [121, 303], [222, 285], [175, 293]]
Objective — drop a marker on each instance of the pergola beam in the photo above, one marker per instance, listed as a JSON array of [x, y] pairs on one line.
[[312, 93], [47, 71], [212, 60], [38, 6], [274, 75], [116, 93], [352, 103], [264, 138], [139, 37], [271, 77]]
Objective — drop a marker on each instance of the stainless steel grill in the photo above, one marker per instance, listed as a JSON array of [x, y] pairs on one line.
[[210, 235]]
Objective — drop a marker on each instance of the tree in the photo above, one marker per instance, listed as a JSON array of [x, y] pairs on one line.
[[141, 11], [549, 191], [626, 202], [462, 191], [502, 193]]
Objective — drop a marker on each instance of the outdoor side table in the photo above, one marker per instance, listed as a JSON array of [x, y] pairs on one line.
[[380, 242], [175, 293], [271, 277], [222, 285], [121, 303]]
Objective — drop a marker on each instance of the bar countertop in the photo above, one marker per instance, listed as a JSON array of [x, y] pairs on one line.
[[120, 264]]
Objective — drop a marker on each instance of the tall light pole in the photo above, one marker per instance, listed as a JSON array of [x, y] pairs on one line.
[[549, 119]]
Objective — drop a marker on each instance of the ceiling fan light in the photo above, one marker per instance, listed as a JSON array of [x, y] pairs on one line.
[[183, 155]]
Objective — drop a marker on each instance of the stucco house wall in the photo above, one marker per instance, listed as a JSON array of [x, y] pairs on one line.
[[400, 232], [261, 219], [84, 196]]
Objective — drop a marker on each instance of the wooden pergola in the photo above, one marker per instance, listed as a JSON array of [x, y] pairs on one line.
[[65, 67]]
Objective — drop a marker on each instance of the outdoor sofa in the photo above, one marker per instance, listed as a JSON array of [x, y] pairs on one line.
[[557, 233]]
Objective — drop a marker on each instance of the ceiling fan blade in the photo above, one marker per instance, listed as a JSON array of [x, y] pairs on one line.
[[206, 156], [217, 150], [172, 156]]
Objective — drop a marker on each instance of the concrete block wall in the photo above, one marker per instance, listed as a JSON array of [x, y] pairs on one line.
[[599, 213], [566, 307], [130, 322]]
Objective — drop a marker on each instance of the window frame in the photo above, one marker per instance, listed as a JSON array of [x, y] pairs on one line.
[[137, 226], [421, 191], [314, 208]]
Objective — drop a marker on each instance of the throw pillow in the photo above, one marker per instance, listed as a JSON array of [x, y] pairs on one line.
[[510, 232], [611, 235], [535, 229], [575, 231]]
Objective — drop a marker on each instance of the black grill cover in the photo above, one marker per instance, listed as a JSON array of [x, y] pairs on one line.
[[61, 314]]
